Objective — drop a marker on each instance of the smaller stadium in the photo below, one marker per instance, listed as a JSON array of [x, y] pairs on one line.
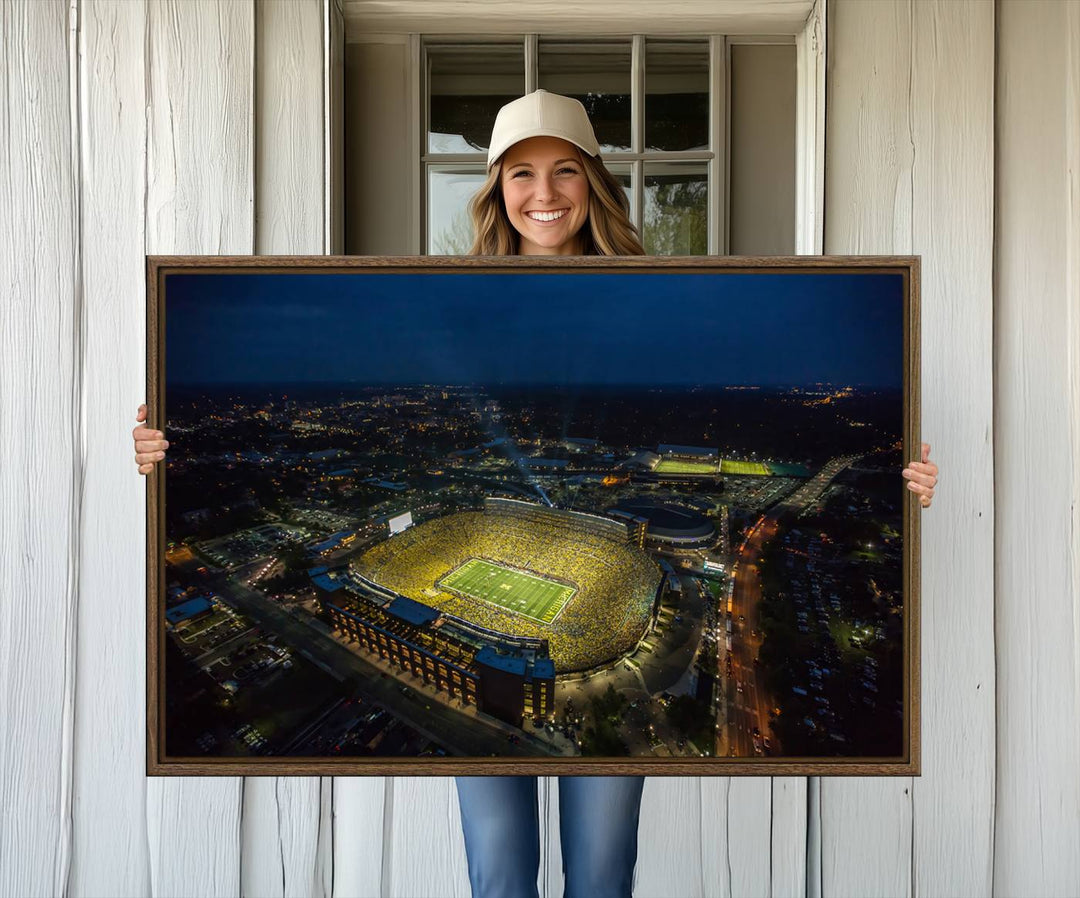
[[670, 525], [695, 461], [679, 466]]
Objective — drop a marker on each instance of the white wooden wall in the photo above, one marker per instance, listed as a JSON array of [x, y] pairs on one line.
[[200, 127], [910, 151], [1037, 450]]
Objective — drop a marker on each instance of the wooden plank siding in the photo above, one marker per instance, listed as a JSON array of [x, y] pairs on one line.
[[41, 453], [109, 824], [1037, 450], [909, 169]]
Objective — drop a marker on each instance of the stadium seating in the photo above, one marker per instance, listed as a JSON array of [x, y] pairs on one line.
[[616, 581]]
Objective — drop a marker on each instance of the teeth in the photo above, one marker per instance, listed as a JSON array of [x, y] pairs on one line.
[[547, 216]]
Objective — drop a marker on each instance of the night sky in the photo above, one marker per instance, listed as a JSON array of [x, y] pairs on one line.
[[627, 329]]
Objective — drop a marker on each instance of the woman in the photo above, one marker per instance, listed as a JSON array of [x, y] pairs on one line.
[[548, 193]]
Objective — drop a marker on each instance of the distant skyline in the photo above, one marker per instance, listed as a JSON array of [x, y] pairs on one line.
[[632, 329]]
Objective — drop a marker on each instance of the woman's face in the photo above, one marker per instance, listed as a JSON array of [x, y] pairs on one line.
[[546, 195]]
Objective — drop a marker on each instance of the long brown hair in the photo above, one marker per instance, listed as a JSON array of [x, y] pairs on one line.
[[607, 231]]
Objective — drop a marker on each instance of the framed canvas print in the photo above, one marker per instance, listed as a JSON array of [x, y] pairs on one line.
[[442, 515]]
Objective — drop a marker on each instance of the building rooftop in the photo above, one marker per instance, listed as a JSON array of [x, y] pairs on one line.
[[413, 612], [325, 581], [187, 610], [543, 667], [514, 664]]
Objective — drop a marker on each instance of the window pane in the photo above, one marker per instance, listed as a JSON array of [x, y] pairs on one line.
[[624, 176], [676, 95], [449, 191], [676, 209], [466, 87], [597, 74]]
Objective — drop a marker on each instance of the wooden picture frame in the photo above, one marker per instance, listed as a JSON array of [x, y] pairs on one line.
[[401, 497]]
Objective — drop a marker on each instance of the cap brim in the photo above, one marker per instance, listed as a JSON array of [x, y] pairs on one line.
[[495, 153]]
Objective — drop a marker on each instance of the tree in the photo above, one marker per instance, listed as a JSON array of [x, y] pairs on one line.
[[457, 239]]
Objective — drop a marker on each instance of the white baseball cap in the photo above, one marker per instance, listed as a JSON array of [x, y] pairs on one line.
[[541, 114]]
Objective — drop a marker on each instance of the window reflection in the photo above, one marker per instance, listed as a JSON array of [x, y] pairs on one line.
[[676, 95], [676, 209], [467, 84], [597, 74], [450, 230]]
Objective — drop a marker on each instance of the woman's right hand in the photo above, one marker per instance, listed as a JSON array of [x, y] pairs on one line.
[[150, 445]]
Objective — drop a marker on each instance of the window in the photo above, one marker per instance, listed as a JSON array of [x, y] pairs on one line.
[[652, 104]]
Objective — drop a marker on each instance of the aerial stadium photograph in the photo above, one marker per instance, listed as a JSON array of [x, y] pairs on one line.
[[535, 514]]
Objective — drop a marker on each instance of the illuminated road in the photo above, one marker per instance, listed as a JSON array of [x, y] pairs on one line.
[[750, 707]]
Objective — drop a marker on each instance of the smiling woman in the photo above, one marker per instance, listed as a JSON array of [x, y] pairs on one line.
[[546, 195], [547, 190]]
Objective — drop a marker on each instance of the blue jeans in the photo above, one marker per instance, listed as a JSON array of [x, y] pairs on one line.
[[598, 821]]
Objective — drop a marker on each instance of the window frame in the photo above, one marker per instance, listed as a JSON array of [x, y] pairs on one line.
[[714, 159], [809, 42]]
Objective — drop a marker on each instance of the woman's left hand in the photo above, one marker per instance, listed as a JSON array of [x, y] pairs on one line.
[[922, 477]]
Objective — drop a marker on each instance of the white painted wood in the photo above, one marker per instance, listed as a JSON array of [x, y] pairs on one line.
[[109, 812], [910, 169], [866, 833], [787, 849], [810, 133], [671, 837], [424, 848], [362, 805], [556, 17], [334, 125], [280, 837], [324, 856], [750, 848], [715, 846], [813, 837], [952, 83], [199, 194], [865, 837], [718, 132], [289, 127], [746, 825], [637, 130], [199, 188], [41, 447], [1037, 450], [551, 874], [415, 136]]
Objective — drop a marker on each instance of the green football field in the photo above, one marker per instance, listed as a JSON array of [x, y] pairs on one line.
[[671, 466], [525, 594], [732, 466]]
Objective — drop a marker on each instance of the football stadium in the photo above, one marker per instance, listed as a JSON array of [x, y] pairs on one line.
[[522, 569]]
